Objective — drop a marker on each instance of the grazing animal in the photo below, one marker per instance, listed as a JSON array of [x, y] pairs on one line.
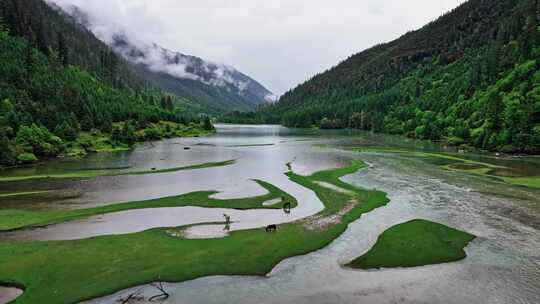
[[153, 169], [271, 228], [187, 148], [227, 219], [287, 206]]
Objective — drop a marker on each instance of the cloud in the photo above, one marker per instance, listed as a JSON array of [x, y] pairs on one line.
[[279, 43], [158, 59]]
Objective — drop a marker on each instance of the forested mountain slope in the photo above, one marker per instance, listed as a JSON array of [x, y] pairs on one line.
[[216, 87], [57, 81], [470, 77], [49, 28], [117, 63]]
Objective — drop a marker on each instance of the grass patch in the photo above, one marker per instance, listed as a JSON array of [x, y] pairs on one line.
[[71, 271], [85, 173], [530, 182], [26, 193], [415, 243], [18, 219]]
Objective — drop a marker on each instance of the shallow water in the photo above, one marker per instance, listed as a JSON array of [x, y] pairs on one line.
[[253, 162], [503, 263], [8, 294], [143, 219]]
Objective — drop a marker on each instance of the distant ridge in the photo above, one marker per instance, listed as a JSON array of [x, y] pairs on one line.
[[217, 87], [469, 78]]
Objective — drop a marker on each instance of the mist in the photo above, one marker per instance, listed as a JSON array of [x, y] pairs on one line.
[[263, 39]]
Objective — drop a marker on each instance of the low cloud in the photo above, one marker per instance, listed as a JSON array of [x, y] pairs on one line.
[[159, 59], [280, 43]]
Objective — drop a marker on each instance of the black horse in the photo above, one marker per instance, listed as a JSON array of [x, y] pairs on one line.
[[271, 228]]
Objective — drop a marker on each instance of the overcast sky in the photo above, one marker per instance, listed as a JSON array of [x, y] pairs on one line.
[[280, 43]]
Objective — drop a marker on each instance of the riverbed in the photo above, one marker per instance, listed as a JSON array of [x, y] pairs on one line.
[[502, 266]]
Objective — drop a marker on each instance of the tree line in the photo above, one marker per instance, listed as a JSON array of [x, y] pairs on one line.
[[471, 78], [45, 102]]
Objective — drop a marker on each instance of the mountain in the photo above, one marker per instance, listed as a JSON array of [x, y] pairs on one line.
[[46, 25], [217, 87], [64, 91], [469, 78]]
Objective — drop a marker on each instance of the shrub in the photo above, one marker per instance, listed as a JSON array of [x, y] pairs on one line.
[[27, 158], [455, 141]]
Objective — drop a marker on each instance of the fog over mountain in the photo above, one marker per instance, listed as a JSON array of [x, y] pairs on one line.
[[265, 38], [150, 58], [159, 59]]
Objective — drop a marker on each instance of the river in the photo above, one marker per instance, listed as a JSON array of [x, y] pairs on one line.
[[503, 262]]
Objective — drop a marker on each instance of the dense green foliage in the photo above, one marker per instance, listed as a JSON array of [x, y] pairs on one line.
[[415, 243], [44, 105], [471, 77], [49, 29]]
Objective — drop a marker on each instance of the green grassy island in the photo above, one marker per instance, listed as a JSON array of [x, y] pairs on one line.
[[415, 243]]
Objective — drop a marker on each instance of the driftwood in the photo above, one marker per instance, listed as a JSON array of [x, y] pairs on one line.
[[131, 296], [162, 296], [136, 296]]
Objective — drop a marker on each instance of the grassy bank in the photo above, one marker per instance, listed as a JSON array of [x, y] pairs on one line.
[[71, 271], [34, 143], [17, 219], [415, 243], [99, 142], [114, 172]]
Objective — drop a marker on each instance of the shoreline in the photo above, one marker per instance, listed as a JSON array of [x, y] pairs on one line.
[[102, 143], [158, 250]]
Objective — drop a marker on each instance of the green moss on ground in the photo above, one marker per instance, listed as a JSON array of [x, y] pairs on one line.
[[114, 172], [18, 219], [415, 243], [71, 271]]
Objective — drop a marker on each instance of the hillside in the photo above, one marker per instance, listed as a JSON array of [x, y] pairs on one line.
[[62, 90], [469, 78], [215, 87], [47, 27]]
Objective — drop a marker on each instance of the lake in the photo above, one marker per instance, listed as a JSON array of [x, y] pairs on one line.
[[503, 262]]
